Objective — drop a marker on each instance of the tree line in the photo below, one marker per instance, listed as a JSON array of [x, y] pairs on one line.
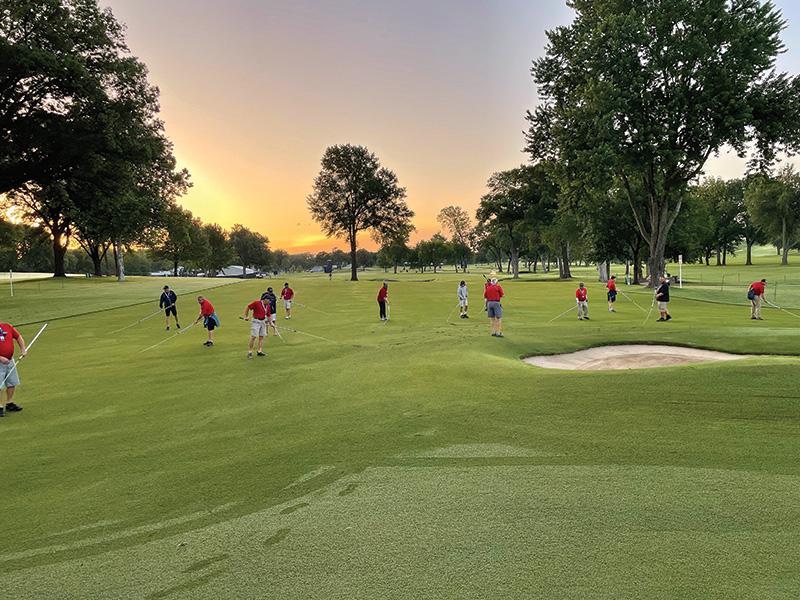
[[634, 100]]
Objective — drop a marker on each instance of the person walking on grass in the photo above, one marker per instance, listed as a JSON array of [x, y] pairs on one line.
[[494, 310], [383, 294], [168, 300], [612, 293], [462, 300], [8, 368], [273, 304], [662, 297], [286, 295], [756, 294], [258, 324], [210, 319], [583, 304]]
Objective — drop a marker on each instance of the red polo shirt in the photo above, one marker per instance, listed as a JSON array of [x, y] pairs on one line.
[[7, 344], [259, 310], [382, 293], [611, 285], [758, 288], [287, 293], [493, 293], [580, 294], [206, 309]]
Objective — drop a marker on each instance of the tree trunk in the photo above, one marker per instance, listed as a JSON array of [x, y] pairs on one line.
[[563, 265], [97, 261], [59, 251], [784, 245], [353, 263], [602, 270], [175, 268], [749, 245], [119, 253]]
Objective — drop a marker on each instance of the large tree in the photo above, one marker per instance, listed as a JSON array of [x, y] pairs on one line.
[[353, 193], [647, 91]]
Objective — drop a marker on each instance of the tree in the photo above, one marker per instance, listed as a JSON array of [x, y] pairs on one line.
[[774, 204], [182, 240], [647, 92], [512, 195], [250, 247], [353, 193], [457, 221]]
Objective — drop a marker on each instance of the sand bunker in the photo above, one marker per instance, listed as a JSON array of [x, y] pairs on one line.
[[634, 356]]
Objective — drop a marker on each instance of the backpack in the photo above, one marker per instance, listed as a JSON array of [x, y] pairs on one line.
[[751, 294]]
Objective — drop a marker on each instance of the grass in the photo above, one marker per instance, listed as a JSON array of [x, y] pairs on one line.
[[407, 459]]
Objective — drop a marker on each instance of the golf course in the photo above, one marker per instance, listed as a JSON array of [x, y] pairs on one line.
[[414, 458]]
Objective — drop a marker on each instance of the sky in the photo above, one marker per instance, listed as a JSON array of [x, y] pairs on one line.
[[254, 91]]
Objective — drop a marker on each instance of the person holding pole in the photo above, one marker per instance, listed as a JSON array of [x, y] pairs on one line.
[[8, 368], [258, 325], [273, 305], [662, 296], [286, 295], [168, 300], [494, 310], [583, 304], [383, 299], [210, 319], [756, 294], [462, 300], [612, 293]]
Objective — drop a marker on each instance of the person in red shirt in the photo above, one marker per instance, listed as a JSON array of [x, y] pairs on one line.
[[210, 319], [583, 305], [8, 368], [755, 301], [492, 294], [262, 310], [612, 293], [382, 300], [286, 295]]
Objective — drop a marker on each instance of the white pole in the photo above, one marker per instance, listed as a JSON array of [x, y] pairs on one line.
[[680, 271], [11, 282]]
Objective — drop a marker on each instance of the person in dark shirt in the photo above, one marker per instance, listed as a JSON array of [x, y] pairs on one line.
[[168, 300], [662, 296]]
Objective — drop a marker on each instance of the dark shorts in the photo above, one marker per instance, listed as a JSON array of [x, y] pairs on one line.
[[612, 295], [172, 310], [211, 324]]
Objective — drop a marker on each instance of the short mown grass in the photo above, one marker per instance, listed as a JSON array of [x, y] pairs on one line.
[[408, 459]]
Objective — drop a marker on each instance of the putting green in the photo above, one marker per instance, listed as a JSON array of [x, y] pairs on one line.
[[448, 527]]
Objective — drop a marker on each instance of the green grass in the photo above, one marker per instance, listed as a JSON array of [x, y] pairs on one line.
[[417, 458]]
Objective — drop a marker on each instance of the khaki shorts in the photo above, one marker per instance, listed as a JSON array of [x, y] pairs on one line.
[[662, 306], [463, 303], [258, 328]]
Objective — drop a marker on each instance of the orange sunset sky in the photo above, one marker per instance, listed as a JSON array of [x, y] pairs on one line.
[[253, 92]]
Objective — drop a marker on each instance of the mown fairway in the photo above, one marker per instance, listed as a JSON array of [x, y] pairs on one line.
[[410, 459]]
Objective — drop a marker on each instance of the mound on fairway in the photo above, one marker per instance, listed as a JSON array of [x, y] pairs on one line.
[[632, 356]]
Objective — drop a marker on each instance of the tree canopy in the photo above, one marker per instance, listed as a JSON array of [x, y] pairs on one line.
[[645, 92]]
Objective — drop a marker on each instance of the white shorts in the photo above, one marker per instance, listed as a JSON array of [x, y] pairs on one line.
[[258, 328], [463, 303], [272, 318], [287, 304]]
